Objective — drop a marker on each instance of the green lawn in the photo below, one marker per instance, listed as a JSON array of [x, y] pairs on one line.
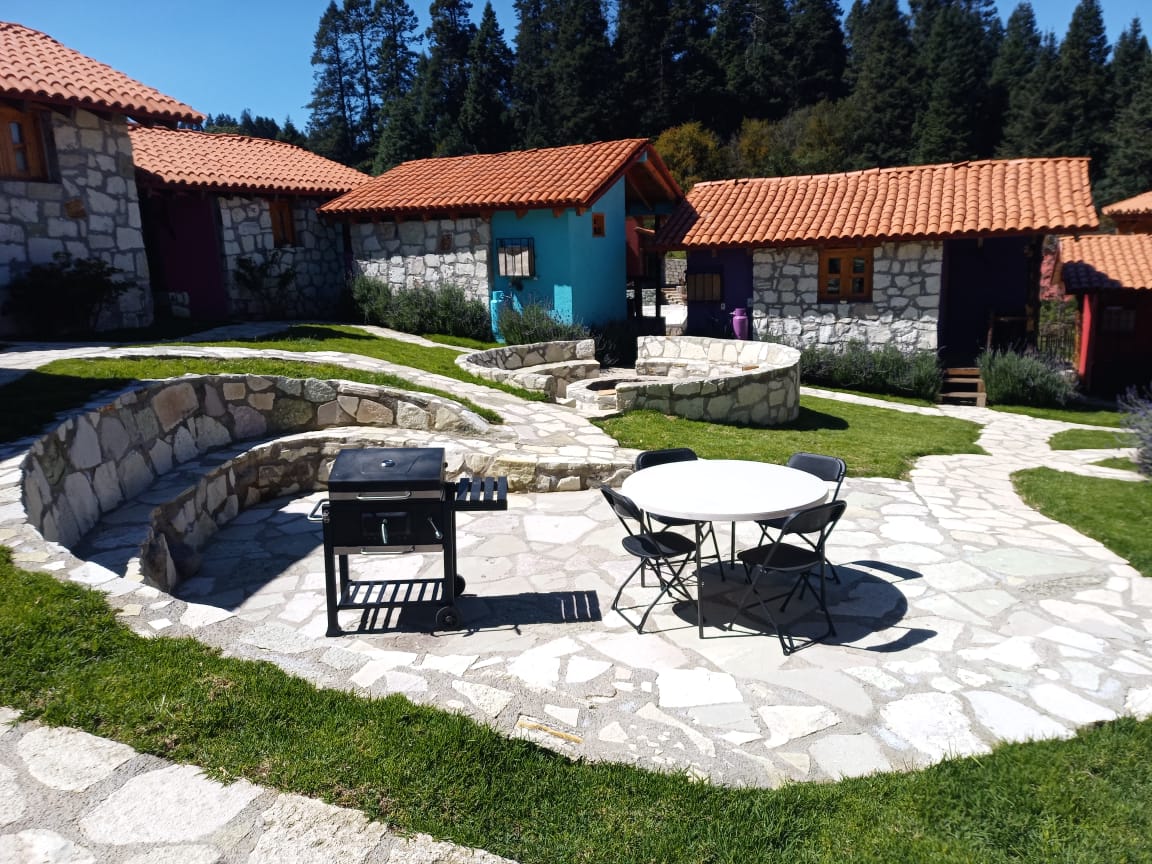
[[65, 659], [1087, 416], [875, 442], [1090, 439], [1119, 462], [1115, 512], [35, 399]]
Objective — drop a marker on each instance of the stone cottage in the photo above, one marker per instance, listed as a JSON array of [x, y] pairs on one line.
[[1132, 215], [67, 182], [210, 201], [549, 226], [930, 257]]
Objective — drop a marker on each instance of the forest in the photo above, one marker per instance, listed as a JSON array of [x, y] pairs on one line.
[[733, 88]]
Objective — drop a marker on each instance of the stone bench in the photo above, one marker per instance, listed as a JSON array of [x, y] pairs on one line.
[[717, 380], [542, 367]]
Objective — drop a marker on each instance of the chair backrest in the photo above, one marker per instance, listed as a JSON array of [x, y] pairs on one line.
[[624, 508], [818, 519], [661, 457], [830, 469]]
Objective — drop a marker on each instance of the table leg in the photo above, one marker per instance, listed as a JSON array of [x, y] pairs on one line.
[[699, 582]]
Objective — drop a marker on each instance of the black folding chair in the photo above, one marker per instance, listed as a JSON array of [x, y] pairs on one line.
[[766, 563], [678, 454], [830, 469], [663, 554]]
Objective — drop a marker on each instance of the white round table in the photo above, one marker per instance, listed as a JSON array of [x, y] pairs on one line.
[[723, 490]]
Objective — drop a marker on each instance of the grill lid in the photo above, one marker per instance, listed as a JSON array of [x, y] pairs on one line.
[[372, 469]]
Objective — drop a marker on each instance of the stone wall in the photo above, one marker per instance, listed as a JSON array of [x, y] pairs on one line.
[[545, 367], [91, 210], [904, 311], [408, 254], [717, 380], [93, 462], [318, 256]]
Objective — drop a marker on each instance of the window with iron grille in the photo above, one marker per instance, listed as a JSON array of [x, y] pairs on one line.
[[22, 153], [845, 276], [516, 257], [283, 224]]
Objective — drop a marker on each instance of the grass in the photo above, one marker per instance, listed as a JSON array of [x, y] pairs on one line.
[[1090, 439], [65, 659], [1118, 462], [1089, 416], [863, 436], [1115, 512], [884, 397], [353, 340], [37, 398]]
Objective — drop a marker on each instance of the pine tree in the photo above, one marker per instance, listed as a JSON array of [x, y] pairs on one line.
[[1081, 117], [484, 114], [882, 69], [1130, 55], [443, 76], [1129, 166], [403, 137], [535, 46], [1015, 59], [397, 59], [330, 125], [749, 48], [581, 75], [289, 134], [696, 77], [1030, 122], [643, 53], [817, 54], [363, 35]]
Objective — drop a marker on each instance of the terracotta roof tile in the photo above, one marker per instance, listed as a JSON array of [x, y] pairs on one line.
[[184, 158], [962, 199], [1135, 206], [1106, 262], [38, 68], [572, 176]]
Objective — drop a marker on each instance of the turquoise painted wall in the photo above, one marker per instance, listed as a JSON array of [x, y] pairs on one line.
[[581, 277]]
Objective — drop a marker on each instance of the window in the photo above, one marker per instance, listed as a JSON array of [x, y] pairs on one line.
[[22, 155], [283, 224], [845, 276], [1117, 319], [598, 225], [516, 258], [704, 286]]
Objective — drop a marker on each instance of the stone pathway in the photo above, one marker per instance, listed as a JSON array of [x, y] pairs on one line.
[[963, 618]]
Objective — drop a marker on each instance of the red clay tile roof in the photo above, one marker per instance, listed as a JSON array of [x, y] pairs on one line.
[[1106, 262], [37, 68], [1135, 206], [182, 158], [923, 201], [572, 176]]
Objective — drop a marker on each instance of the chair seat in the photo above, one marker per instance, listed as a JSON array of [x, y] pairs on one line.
[[658, 544], [784, 556], [674, 521]]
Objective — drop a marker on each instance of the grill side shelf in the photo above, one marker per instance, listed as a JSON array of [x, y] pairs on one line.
[[481, 493]]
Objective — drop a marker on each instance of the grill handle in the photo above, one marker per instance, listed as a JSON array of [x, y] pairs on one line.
[[435, 530], [367, 551], [403, 496], [316, 515]]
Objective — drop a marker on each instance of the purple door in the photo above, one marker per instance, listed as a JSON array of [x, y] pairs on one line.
[[183, 244]]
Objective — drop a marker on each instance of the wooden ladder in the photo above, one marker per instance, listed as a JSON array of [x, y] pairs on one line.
[[964, 384]]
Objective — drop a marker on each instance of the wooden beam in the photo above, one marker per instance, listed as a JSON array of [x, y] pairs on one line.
[[557, 212]]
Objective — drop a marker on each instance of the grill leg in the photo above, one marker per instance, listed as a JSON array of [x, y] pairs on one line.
[[330, 590]]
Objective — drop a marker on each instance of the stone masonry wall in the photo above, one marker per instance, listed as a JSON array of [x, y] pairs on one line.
[[93, 462], [318, 256], [904, 311], [547, 367], [717, 380], [407, 254], [91, 210]]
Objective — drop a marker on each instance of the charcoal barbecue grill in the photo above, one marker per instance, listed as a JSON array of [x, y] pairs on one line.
[[392, 501]]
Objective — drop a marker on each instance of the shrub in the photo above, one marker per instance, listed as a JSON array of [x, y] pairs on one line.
[[533, 322], [271, 281], [443, 309], [884, 370], [64, 297], [1014, 378], [1137, 408]]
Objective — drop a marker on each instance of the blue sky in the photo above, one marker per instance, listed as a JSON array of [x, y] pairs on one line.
[[221, 56]]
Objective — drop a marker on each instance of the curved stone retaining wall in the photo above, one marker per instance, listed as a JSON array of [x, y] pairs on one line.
[[544, 367], [93, 462], [718, 380]]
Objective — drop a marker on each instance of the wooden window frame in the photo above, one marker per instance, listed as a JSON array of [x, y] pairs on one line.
[[283, 223], [599, 227], [836, 263], [29, 152]]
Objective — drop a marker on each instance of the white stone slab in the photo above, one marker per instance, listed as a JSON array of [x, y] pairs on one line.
[[69, 759], [702, 742], [452, 664], [176, 804], [12, 801], [1018, 652], [933, 723], [299, 830], [188, 853], [684, 688], [785, 723], [1012, 720], [582, 669], [490, 700], [199, 615], [1064, 703], [1139, 702], [567, 716], [40, 846], [849, 755]]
